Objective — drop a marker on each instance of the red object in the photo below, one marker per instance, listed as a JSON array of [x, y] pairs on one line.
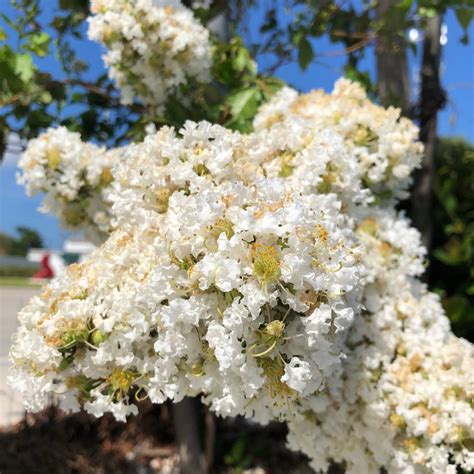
[[45, 271]]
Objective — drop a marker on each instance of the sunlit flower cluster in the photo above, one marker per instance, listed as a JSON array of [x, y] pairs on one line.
[[75, 178], [270, 274], [384, 143], [153, 48], [405, 399], [241, 293]]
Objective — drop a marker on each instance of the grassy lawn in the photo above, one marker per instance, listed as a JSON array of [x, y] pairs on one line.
[[19, 281]]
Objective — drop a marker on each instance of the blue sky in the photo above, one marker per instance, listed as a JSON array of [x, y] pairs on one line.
[[16, 209]]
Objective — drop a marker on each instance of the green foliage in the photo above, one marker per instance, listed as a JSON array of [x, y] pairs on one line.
[[243, 89], [19, 89], [27, 239], [38, 43], [242, 104], [452, 262], [6, 242], [233, 63], [464, 17], [239, 457], [463, 10], [32, 98], [362, 77], [305, 50]]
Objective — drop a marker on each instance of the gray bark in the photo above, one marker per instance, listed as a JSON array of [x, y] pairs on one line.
[[432, 99], [392, 65], [186, 429], [210, 441]]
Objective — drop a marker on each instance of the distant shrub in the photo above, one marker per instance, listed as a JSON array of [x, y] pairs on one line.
[[17, 271], [452, 258]]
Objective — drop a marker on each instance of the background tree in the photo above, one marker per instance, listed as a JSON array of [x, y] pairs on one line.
[[33, 98], [28, 239], [6, 242]]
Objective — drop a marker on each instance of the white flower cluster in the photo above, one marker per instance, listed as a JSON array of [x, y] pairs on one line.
[[405, 401], [75, 177], [266, 274], [154, 47], [243, 293], [383, 142]]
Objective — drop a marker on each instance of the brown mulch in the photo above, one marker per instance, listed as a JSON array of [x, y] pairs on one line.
[[52, 442]]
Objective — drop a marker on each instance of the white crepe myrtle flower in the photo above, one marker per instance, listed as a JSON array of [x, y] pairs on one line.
[[162, 308], [298, 376], [384, 143], [392, 248], [406, 404], [153, 48], [74, 177]]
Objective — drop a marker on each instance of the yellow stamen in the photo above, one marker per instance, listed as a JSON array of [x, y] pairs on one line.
[[273, 370], [368, 226], [105, 177], [121, 380], [54, 158], [266, 263]]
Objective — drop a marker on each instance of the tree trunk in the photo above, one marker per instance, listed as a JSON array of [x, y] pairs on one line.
[[432, 99], [185, 423], [210, 440], [391, 57]]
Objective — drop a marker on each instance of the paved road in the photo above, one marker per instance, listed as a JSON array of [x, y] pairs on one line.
[[12, 299]]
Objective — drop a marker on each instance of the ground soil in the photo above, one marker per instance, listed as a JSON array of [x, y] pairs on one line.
[[52, 442]]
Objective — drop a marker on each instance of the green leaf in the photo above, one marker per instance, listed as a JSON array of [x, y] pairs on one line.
[[244, 102], [305, 53], [296, 35], [269, 86], [3, 35], [24, 67], [457, 307], [38, 43], [45, 97], [75, 5], [428, 12], [242, 61], [362, 77], [405, 4], [9, 21], [464, 17], [242, 105], [38, 119]]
